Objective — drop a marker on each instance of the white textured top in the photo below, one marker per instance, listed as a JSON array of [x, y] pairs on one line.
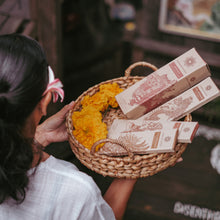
[[58, 190]]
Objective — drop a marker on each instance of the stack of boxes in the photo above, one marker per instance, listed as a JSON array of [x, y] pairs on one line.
[[154, 104]]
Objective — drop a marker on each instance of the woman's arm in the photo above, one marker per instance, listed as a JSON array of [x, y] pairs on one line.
[[54, 130], [118, 194]]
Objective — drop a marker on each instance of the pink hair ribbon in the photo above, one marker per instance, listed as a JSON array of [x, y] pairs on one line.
[[54, 86]]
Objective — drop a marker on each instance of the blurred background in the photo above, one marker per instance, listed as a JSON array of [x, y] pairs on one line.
[[88, 42]]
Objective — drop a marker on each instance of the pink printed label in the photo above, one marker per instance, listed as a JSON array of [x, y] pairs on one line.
[[194, 132], [153, 85], [156, 140], [176, 70], [198, 93], [177, 125]]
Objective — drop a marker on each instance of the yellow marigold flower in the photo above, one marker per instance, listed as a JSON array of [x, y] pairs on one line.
[[111, 90], [85, 116], [89, 127], [111, 87], [98, 100], [88, 124], [105, 97]]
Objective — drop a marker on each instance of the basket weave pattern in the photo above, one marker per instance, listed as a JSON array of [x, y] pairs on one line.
[[131, 166]]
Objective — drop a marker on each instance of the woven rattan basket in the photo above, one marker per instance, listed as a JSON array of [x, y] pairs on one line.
[[131, 166]]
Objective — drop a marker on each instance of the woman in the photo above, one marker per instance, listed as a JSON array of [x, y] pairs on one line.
[[33, 184]]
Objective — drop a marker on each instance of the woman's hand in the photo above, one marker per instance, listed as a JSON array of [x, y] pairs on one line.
[[53, 129]]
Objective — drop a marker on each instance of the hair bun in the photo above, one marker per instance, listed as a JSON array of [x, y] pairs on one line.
[[3, 107], [4, 86]]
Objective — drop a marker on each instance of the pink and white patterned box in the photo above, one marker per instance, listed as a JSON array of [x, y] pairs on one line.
[[185, 103], [143, 142], [163, 84], [186, 130]]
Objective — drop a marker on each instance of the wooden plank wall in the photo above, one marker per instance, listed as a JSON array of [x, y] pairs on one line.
[[12, 15], [40, 21], [48, 19]]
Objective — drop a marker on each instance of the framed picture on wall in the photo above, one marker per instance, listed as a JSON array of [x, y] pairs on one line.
[[195, 18]]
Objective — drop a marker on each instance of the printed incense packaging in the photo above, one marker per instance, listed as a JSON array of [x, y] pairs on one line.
[[143, 142], [163, 84], [185, 103], [186, 130]]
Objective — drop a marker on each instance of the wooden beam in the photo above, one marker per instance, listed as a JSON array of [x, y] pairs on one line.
[[33, 10], [30, 29], [49, 32], [15, 8], [10, 25]]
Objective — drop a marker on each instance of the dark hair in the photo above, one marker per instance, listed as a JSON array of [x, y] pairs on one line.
[[23, 79]]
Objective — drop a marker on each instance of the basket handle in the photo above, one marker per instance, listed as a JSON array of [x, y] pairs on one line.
[[141, 63], [113, 141]]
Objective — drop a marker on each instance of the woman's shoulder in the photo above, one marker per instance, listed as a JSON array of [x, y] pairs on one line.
[[56, 164], [76, 192], [67, 173]]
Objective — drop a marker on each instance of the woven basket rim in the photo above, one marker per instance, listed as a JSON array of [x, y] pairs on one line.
[[159, 161], [69, 126]]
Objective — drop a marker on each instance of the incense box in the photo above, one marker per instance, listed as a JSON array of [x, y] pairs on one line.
[[163, 84], [143, 142], [185, 103], [186, 130]]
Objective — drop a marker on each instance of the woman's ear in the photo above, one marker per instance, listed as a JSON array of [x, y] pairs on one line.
[[45, 102]]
